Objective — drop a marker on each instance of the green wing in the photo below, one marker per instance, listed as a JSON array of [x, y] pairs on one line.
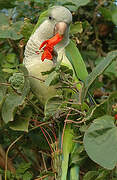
[[42, 17], [76, 60]]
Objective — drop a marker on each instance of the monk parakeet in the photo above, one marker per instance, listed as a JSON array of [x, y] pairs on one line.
[[43, 51], [45, 47]]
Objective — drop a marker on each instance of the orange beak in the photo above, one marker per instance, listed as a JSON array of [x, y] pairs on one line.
[[49, 44]]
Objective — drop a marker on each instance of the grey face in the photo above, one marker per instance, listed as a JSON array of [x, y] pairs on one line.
[[60, 14], [61, 17]]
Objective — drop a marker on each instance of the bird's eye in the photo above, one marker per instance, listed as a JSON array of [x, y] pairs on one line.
[[50, 17]]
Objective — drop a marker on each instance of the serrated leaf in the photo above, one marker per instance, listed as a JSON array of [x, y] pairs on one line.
[[98, 70], [12, 101], [100, 142]]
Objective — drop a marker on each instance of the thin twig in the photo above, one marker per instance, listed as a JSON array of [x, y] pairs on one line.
[[5, 84], [6, 157], [76, 110], [30, 76], [44, 163]]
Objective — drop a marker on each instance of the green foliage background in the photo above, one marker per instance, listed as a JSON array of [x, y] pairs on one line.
[[24, 151]]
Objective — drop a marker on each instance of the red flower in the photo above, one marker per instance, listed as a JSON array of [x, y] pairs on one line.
[[49, 46]]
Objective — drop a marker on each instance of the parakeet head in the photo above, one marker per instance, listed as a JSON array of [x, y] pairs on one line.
[[61, 17], [57, 22]]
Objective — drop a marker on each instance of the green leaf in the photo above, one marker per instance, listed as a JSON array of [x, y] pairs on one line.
[[102, 175], [11, 58], [67, 148], [8, 30], [3, 89], [73, 4], [23, 167], [90, 175], [12, 101], [107, 13], [105, 107], [8, 70], [52, 106], [21, 123], [50, 78], [100, 142], [6, 4], [9, 106], [74, 172], [80, 2], [98, 70], [76, 28], [114, 17], [76, 60], [3, 20], [27, 176], [27, 29]]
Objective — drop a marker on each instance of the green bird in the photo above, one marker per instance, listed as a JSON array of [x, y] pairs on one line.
[[48, 45], [57, 23]]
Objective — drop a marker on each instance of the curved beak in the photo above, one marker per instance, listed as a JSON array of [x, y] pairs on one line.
[[60, 28]]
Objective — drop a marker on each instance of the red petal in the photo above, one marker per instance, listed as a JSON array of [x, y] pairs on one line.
[[46, 55], [43, 43], [49, 46], [55, 40]]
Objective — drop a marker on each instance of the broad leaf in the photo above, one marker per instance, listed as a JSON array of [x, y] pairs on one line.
[[22, 123], [98, 70], [74, 172], [90, 175], [12, 101], [53, 106], [76, 28], [67, 148], [73, 5], [9, 106], [8, 30], [100, 142]]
